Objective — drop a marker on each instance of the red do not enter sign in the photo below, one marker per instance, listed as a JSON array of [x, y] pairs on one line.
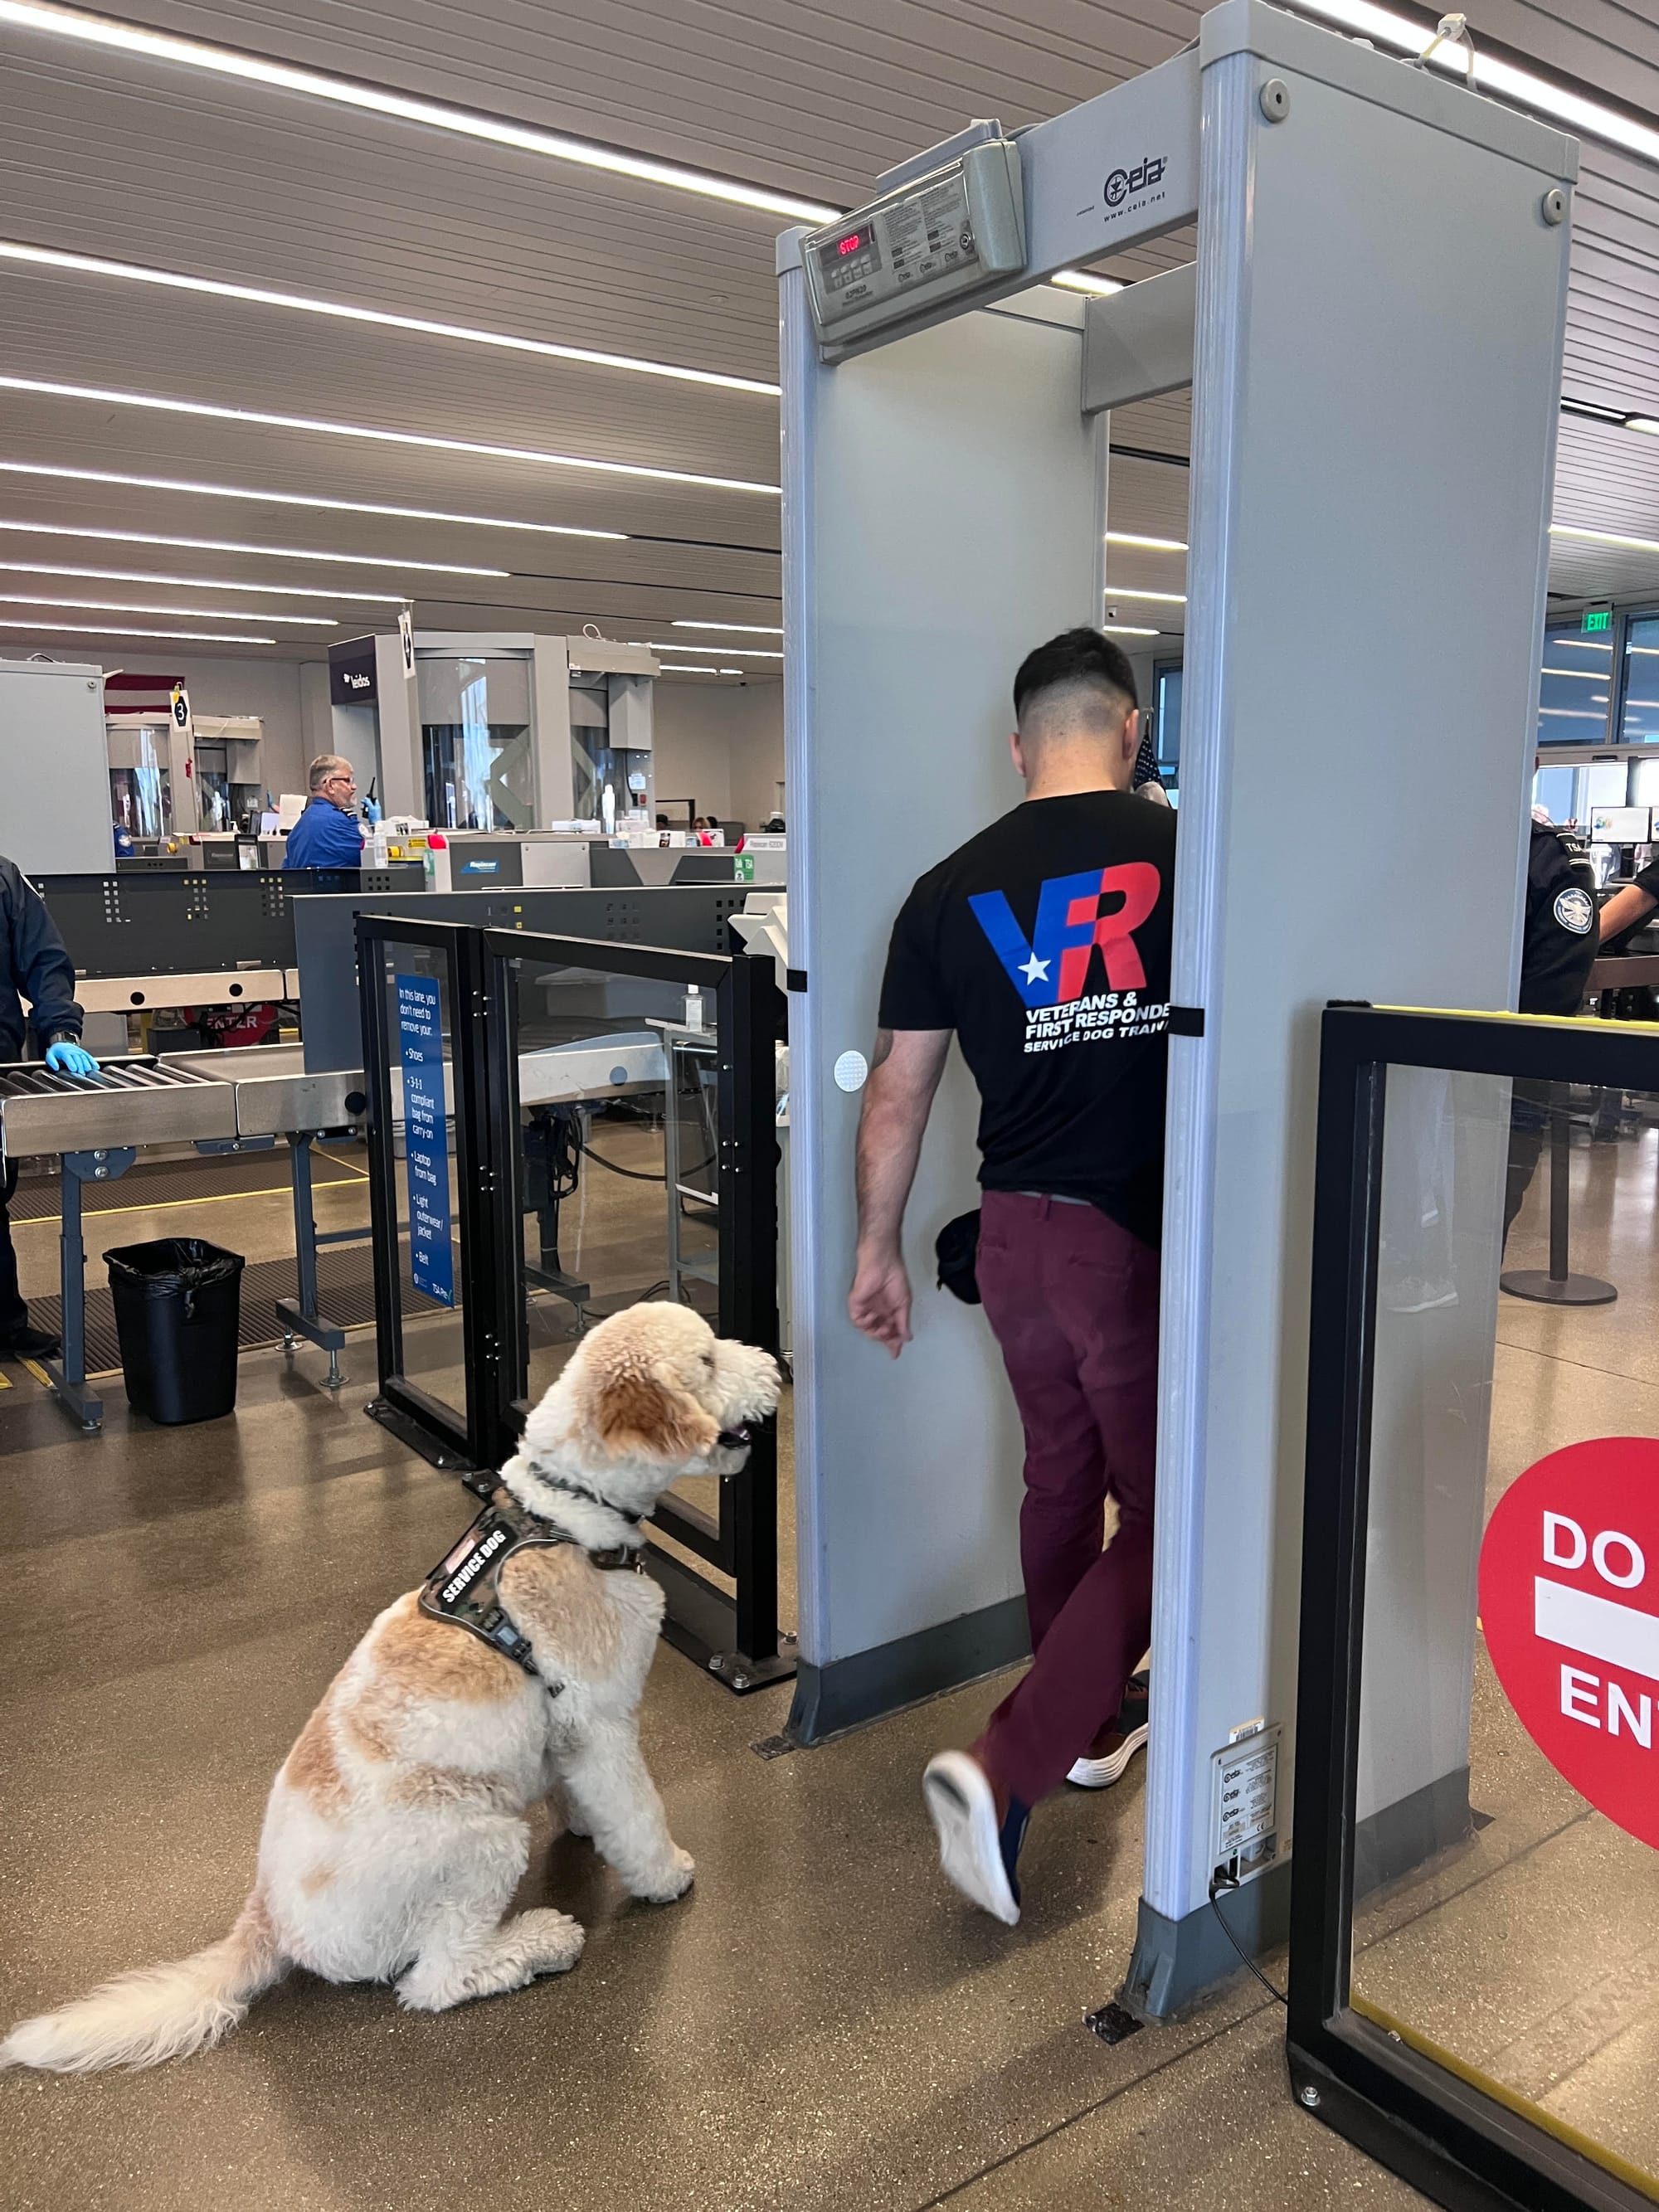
[[1569, 1603]]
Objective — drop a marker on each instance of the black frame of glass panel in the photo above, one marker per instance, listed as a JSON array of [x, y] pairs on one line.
[[735, 1636], [1406, 2104], [401, 1405]]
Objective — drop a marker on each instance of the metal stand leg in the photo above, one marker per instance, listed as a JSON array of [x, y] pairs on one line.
[[1560, 1286], [67, 1374], [543, 1155], [301, 1317], [670, 1162]]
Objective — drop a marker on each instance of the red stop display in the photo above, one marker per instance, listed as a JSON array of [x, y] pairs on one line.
[[1569, 1604]]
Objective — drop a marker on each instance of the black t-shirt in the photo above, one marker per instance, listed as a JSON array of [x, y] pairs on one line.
[[1044, 944], [1559, 938]]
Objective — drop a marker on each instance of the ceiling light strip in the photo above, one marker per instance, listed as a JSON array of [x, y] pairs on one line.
[[1152, 545], [727, 652], [1123, 592], [110, 630], [232, 545], [1493, 74], [1604, 537], [303, 498], [301, 303], [732, 629], [1075, 280], [155, 403], [378, 100], [299, 498], [132, 607], [202, 584]]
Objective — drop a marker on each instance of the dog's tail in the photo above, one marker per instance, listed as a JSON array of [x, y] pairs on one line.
[[158, 2012]]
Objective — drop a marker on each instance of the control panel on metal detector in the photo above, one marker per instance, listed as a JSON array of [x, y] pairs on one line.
[[957, 230]]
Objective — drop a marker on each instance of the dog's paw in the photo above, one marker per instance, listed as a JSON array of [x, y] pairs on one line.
[[552, 1940], [671, 1882]]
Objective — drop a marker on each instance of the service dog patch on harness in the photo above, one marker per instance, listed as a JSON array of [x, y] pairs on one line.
[[462, 1588]]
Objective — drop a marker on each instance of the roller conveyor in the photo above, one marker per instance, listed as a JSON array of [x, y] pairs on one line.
[[220, 1101], [128, 1102], [230, 1101]]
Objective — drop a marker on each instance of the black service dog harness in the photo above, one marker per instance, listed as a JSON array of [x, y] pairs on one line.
[[463, 1588]]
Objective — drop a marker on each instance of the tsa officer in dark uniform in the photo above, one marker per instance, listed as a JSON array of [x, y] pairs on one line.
[[1557, 950], [34, 965]]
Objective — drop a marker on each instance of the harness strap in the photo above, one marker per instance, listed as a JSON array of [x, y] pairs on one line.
[[463, 1588]]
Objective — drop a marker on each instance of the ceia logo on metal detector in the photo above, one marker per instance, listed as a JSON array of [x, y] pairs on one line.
[[1126, 184]]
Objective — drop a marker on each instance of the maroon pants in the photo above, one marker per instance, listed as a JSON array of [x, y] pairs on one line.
[[1072, 1300]]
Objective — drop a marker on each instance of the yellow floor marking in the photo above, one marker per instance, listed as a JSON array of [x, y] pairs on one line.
[[5, 1381], [215, 1198], [37, 1371], [352, 1166]]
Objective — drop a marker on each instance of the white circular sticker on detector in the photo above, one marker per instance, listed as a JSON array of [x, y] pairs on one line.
[[851, 1070]]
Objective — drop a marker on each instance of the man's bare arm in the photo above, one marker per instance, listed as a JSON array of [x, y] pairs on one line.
[[1624, 910], [907, 1066]]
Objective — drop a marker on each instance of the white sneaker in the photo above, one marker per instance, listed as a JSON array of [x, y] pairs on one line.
[[1100, 1773], [956, 1791]]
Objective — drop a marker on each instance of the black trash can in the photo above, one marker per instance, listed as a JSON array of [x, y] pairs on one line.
[[178, 1310]]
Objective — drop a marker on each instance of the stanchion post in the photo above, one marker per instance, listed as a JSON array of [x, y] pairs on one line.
[[1558, 1285]]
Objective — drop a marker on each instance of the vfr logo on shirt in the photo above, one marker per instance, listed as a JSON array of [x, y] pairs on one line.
[[1052, 970]]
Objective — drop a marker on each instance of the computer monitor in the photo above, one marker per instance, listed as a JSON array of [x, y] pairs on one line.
[[1621, 825]]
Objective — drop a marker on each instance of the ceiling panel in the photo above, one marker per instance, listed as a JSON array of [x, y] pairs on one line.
[[115, 156], [807, 99]]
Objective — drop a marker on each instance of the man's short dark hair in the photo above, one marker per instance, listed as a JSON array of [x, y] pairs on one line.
[[1079, 659]]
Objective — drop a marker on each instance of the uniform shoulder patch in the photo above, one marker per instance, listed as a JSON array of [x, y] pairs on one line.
[[1575, 910]]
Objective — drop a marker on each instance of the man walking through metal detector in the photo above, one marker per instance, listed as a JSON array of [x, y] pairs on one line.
[[1043, 944]]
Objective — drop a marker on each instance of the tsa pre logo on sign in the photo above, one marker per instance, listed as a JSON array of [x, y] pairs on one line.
[[1569, 1603]]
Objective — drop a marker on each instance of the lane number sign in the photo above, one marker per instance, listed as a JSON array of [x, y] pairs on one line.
[[1569, 1604]]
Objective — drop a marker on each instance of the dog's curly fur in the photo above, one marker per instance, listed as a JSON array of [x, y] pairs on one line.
[[395, 1831]]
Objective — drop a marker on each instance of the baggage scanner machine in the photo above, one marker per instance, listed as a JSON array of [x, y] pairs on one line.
[[1373, 337]]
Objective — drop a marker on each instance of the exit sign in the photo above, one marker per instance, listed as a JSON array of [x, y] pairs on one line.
[[1599, 618]]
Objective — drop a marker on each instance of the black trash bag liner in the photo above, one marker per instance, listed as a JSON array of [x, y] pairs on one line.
[[956, 1248], [178, 1315], [172, 1264]]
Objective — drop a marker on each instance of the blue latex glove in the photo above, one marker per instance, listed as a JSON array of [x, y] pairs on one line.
[[371, 812], [65, 1058]]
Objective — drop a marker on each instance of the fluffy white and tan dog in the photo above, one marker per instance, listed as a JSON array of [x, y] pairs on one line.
[[395, 1833]]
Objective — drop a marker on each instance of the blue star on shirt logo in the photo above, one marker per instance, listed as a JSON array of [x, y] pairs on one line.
[[1034, 970]]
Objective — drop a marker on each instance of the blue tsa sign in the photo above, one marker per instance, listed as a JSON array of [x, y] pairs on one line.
[[426, 1148]]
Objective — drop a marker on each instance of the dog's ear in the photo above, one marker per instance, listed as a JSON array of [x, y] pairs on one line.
[[638, 1415]]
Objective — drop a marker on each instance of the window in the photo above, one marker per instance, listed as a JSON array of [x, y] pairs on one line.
[[1166, 726], [1574, 688], [1640, 701]]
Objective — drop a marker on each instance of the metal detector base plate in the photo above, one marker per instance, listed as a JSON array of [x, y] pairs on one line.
[[420, 1440], [1545, 1288]]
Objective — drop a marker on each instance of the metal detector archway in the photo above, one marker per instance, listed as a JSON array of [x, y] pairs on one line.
[[1376, 320]]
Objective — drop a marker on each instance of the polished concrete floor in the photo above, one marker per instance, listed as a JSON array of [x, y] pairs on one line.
[[1532, 1953], [821, 2025]]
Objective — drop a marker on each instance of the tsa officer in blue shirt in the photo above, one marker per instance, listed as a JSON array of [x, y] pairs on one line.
[[326, 834], [34, 965]]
